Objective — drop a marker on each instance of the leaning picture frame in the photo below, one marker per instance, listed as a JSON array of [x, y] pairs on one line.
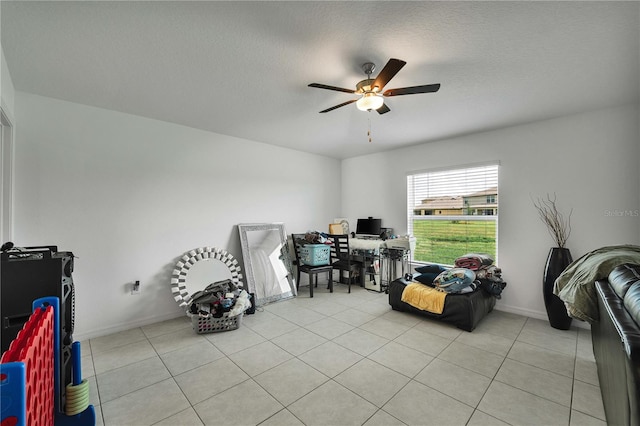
[[344, 222]]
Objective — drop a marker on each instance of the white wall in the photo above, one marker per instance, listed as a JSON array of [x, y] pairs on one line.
[[7, 91], [7, 124], [129, 195], [589, 160]]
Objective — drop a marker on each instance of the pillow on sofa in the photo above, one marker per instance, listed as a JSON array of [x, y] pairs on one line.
[[436, 269], [454, 280], [427, 273], [426, 278]]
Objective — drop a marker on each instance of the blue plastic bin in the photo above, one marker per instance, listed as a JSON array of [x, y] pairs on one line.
[[315, 254]]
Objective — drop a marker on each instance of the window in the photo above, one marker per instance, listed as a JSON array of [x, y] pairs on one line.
[[452, 212]]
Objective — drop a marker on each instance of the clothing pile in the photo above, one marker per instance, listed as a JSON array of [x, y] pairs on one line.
[[474, 261], [471, 271], [488, 275], [219, 298], [316, 237]]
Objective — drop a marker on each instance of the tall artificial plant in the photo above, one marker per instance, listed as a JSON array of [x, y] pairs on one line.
[[558, 225]]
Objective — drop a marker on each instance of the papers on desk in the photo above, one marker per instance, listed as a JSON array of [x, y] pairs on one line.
[[395, 243], [403, 243]]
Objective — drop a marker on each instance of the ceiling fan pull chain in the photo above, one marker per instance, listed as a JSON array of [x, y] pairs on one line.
[[369, 128]]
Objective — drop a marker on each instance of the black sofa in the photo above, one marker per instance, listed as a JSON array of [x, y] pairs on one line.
[[462, 310], [616, 344]]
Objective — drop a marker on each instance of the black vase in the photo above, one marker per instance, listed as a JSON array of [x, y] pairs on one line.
[[557, 261]]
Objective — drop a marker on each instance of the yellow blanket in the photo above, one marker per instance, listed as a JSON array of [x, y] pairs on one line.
[[425, 298]]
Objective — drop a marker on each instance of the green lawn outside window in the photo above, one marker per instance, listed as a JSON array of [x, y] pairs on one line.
[[442, 241]]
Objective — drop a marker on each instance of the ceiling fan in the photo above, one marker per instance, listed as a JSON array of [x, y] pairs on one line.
[[370, 90]]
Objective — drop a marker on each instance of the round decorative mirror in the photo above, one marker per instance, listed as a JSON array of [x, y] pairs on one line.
[[200, 267]]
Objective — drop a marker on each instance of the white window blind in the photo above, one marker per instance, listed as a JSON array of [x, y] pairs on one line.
[[452, 212]]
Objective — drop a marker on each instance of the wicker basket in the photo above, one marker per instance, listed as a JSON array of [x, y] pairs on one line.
[[213, 325]]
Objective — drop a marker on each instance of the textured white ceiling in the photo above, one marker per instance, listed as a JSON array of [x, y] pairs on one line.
[[242, 68]]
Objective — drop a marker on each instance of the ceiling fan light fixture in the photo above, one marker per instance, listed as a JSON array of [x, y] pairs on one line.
[[371, 91], [369, 101]]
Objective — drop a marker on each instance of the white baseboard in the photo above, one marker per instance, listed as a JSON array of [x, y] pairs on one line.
[[92, 334], [537, 315]]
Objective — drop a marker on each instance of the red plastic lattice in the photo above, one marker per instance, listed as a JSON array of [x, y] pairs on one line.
[[34, 347]]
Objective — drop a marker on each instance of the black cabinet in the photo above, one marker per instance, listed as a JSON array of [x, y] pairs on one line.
[[28, 274]]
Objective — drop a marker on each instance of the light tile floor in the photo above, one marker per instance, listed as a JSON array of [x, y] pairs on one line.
[[345, 359]]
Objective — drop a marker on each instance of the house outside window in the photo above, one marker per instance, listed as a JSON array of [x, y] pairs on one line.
[[452, 212]]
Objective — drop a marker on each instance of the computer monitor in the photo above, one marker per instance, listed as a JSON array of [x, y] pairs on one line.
[[369, 226]]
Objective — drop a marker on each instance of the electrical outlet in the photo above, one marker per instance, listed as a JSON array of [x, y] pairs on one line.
[[135, 288]]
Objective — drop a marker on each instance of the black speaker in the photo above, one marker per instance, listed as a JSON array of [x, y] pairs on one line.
[[28, 274], [252, 309]]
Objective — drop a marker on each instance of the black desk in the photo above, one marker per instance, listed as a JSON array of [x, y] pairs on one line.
[[368, 259], [379, 260]]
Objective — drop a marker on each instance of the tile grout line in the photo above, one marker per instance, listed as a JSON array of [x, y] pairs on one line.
[[282, 315]]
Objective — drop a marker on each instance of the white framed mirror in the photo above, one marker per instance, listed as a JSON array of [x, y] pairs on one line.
[[267, 262], [200, 267]]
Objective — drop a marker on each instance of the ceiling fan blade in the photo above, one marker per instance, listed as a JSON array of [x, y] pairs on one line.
[[383, 109], [338, 106], [388, 72], [338, 89], [428, 88]]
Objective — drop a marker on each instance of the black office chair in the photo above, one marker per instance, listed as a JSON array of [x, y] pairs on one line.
[[341, 258], [313, 271]]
